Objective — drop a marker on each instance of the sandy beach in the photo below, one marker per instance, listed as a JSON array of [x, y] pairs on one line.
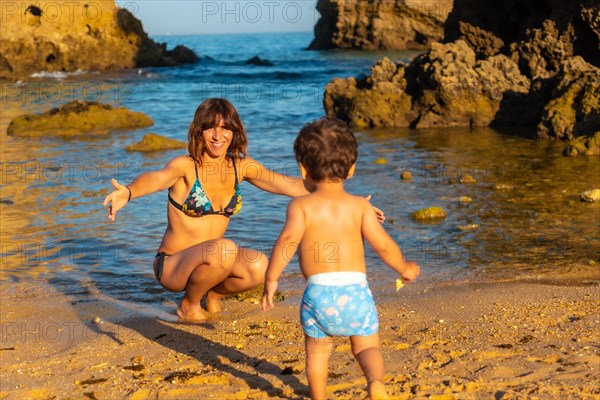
[[504, 340], [464, 105]]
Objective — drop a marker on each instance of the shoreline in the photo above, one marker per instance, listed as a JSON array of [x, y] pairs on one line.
[[468, 341]]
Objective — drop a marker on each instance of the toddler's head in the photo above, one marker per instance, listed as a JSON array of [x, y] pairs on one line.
[[327, 149]]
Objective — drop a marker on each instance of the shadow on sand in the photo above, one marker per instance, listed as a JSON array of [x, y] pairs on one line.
[[195, 341]]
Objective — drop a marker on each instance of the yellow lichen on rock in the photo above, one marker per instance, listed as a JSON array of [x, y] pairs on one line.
[[429, 214], [77, 118]]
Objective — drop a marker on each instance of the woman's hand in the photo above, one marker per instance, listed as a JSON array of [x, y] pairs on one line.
[[117, 199], [378, 213]]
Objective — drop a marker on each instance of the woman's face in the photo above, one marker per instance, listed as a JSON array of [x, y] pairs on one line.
[[217, 139]]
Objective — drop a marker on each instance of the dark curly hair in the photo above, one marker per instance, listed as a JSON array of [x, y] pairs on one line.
[[207, 116], [327, 149]]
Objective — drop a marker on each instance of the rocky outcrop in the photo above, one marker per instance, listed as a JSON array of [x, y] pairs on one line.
[[446, 87], [379, 24], [153, 142], [542, 32], [574, 108], [70, 36], [518, 67], [77, 118]]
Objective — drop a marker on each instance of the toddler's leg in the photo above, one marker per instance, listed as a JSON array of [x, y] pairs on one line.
[[367, 351], [317, 364]]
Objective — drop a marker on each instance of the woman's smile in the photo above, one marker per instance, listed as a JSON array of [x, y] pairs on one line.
[[218, 139]]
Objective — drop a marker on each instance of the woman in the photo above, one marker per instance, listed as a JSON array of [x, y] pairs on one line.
[[204, 193]]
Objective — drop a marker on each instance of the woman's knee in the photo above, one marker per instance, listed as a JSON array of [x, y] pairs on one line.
[[256, 263], [221, 253]]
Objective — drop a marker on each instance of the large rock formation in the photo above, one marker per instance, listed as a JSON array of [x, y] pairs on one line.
[[70, 36], [77, 118], [510, 63], [542, 32], [379, 24], [448, 87]]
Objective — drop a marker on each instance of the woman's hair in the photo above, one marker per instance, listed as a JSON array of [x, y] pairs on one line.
[[327, 149], [208, 115]]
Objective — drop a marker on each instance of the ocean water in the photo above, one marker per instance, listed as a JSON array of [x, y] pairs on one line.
[[524, 220]]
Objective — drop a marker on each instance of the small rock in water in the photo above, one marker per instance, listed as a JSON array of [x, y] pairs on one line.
[[503, 186], [467, 179], [153, 142], [591, 195], [429, 214], [256, 60]]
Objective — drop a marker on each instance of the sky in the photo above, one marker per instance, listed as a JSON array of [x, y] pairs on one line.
[[176, 17]]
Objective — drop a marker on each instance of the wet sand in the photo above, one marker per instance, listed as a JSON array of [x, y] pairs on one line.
[[505, 340]]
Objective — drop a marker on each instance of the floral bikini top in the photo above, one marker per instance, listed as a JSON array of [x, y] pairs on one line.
[[197, 203]]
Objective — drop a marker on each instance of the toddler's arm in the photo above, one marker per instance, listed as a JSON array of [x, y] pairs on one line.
[[283, 251], [385, 246]]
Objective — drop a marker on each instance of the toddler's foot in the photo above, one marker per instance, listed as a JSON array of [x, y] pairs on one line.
[[213, 302], [377, 391], [193, 314]]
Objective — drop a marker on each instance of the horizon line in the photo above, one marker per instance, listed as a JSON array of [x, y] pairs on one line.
[[223, 33]]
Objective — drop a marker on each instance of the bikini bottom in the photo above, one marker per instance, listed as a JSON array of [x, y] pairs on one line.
[[160, 263]]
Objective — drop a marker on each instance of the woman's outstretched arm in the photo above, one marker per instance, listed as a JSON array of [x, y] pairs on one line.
[[146, 183], [271, 181]]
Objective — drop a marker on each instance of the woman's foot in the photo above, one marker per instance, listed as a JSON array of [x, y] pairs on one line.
[[193, 314], [213, 302], [377, 391]]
